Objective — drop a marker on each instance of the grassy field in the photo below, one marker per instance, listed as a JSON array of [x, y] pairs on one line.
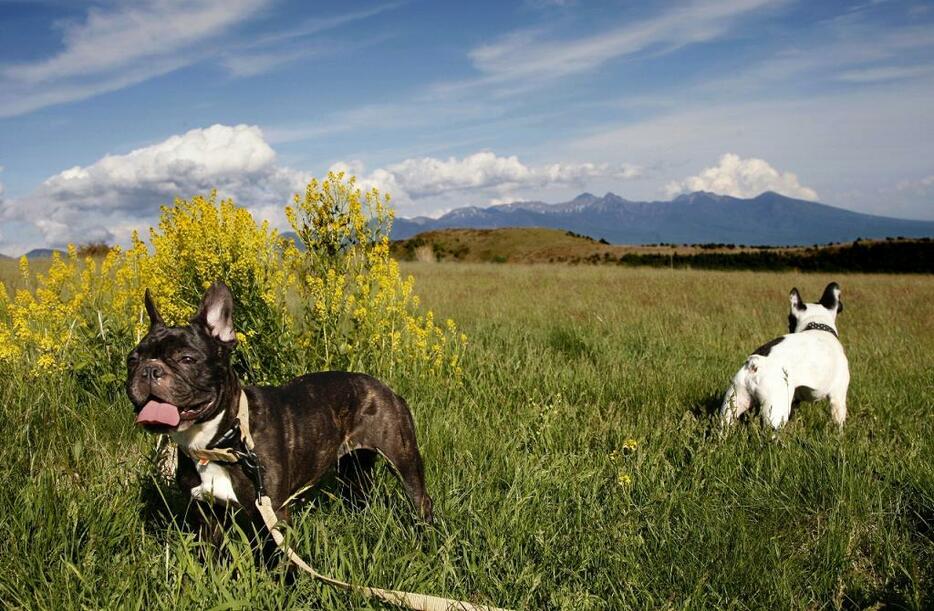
[[577, 468], [529, 245], [539, 245]]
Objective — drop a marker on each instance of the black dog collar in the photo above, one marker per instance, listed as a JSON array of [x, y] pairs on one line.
[[235, 446], [819, 326], [233, 440]]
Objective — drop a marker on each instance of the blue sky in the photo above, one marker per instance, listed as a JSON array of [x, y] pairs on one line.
[[108, 109]]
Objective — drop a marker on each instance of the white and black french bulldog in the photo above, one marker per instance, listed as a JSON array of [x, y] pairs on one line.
[[181, 383], [807, 364]]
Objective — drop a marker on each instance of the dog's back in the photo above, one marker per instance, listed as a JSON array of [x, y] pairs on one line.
[[809, 363]]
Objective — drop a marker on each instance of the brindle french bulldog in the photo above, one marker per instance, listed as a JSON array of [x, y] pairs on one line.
[[181, 383]]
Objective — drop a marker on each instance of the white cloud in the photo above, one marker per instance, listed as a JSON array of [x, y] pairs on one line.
[[251, 64], [529, 56], [109, 40], [117, 46], [919, 186], [884, 73], [124, 43], [109, 198], [116, 194], [482, 173], [833, 139], [316, 25], [263, 53], [742, 178]]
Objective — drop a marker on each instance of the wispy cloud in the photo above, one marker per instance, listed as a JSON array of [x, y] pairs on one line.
[[885, 73], [855, 51], [317, 25], [128, 43], [532, 56], [112, 40], [251, 64], [121, 45], [17, 98], [415, 112], [525, 58], [268, 51]]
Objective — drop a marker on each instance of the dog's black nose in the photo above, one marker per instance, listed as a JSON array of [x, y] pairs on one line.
[[153, 372]]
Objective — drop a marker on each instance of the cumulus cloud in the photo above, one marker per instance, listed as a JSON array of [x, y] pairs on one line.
[[118, 193], [482, 173], [740, 177]]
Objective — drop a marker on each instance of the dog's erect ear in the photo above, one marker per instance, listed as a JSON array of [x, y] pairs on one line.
[[796, 302], [155, 319], [215, 315], [831, 298]]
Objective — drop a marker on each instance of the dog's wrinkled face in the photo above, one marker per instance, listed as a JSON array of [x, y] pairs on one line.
[[176, 375], [823, 312]]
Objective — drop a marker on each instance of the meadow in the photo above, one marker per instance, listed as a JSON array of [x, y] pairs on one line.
[[576, 465]]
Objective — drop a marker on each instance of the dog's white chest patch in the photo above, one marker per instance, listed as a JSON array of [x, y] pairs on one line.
[[216, 484]]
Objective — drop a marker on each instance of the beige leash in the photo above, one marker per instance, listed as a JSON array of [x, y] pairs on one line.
[[409, 600]]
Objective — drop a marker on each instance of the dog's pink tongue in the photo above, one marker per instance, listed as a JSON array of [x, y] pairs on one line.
[[155, 412]]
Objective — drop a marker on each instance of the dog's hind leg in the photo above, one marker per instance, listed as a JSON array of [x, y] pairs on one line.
[[401, 451], [391, 431], [775, 398], [736, 400], [412, 474], [838, 406], [355, 472]]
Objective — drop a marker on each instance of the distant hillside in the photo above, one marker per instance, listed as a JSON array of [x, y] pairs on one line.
[[538, 245], [43, 253], [769, 219], [514, 245]]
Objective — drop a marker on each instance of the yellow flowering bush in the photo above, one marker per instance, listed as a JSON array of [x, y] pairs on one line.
[[53, 323], [341, 302], [360, 313], [199, 241], [42, 327]]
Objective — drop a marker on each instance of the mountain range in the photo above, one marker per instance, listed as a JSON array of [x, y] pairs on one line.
[[692, 218]]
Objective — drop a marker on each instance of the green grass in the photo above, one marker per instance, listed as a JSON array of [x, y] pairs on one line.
[[525, 461]]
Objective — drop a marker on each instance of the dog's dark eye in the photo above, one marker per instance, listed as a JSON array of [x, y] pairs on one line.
[[187, 360], [132, 360]]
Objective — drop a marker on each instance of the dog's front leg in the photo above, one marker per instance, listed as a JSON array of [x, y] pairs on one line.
[[201, 515], [211, 527]]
